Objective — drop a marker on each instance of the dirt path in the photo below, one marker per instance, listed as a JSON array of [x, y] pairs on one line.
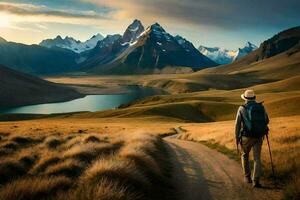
[[203, 173]]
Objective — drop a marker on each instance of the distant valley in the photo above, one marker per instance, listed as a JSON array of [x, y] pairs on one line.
[[140, 51]]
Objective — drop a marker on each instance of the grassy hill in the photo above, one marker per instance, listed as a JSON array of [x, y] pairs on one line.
[[22, 89], [281, 98], [276, 59]]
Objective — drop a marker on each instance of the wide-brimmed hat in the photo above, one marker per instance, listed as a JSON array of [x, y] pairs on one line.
[[248, 95]]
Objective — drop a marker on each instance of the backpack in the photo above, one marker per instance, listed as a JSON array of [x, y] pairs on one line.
[[255, 124]]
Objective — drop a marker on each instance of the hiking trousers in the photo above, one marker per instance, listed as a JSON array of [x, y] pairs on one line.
[[249, 143]]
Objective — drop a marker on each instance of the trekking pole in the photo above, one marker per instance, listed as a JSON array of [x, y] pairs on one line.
[[272, 166], [237, 149]]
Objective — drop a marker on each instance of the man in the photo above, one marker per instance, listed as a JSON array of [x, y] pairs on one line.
[[250, 128]]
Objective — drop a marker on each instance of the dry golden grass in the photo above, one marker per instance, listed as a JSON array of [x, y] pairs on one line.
[[284, 140], [46, 159], [34, 188], [52, 142], [79, 163], [104, 190], [68, 136], [88, 152], [116, 169]]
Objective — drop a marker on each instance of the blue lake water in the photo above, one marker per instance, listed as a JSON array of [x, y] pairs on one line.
[[89, 103]]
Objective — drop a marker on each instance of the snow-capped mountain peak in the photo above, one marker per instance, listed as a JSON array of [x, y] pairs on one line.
[[72, 44], [225, 56], [132, 32], [139, 51], [136, 24], [157, 28], [249, 47]]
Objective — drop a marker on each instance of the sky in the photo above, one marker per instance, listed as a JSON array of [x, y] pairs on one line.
[[213, 23]]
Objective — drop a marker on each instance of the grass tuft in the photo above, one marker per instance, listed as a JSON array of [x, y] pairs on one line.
[[34, 188], [116, 169], [10, 170], [68, 168], [52, 142], [83, 167], [88, 152], [292, 190], [5, 151], [44, 163], [105, 190], [92, 139], [22, 140], [10, 145]]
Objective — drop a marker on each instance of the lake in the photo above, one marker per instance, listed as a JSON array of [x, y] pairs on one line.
[[88, 103]]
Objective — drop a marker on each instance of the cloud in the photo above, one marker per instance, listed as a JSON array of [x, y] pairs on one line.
[[225, 14], [22, 9]]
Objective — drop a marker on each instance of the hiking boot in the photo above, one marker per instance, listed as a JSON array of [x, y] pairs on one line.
[[247, 179], [256, 184]]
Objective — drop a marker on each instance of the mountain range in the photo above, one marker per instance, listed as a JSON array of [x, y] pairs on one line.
[[276, 59], [141, 50], [285, 43], [226, 56], [136, 51], [72, 44], [35, 59], [111, 46], [153, 49]]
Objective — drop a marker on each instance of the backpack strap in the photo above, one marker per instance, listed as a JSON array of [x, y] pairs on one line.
[[242, 116]]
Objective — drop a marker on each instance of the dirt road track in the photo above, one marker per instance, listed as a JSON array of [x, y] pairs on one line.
[[202, 173]]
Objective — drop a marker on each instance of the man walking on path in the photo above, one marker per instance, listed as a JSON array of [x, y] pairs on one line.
[[250, 128]]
